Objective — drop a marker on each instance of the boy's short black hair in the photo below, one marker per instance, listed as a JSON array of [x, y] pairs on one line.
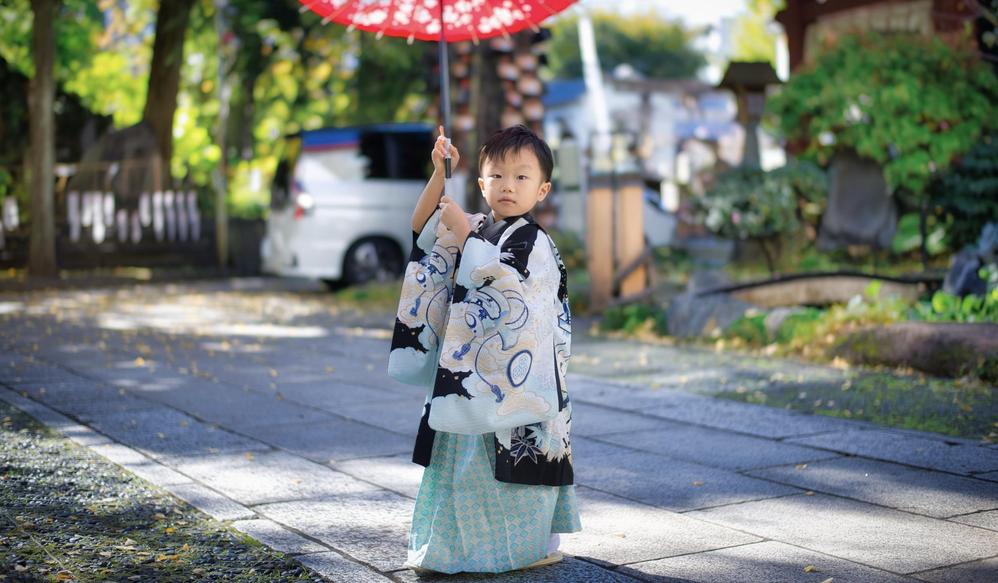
[[514, 139]]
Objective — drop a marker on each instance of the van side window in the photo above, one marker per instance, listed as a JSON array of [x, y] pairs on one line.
[[397, 156]]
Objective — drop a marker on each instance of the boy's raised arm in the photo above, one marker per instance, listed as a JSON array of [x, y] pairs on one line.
[[430, 197]]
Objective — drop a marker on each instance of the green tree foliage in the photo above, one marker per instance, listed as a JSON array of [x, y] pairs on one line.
[[655, 47], [911, 103], [752, 39], [750, 203], [285, 72], [968, 193], [103, 64]]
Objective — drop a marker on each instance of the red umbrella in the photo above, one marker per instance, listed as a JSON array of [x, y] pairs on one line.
[[440, 20]]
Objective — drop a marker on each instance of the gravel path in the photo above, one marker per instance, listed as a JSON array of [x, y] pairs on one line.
[[67, 514]]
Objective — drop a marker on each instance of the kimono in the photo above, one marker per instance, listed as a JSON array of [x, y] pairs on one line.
[[487, 332]]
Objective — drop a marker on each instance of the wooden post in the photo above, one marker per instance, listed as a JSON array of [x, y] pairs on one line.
[[629, 234], [599, 240]]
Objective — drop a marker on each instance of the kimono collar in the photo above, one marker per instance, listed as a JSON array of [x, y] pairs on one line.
[[491, 229]]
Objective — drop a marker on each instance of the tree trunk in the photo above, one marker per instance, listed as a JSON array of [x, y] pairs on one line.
[[41, 94], [164, 74], [488, 99]]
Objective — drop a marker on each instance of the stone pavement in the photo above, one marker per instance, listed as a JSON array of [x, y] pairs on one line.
[[283, 421]]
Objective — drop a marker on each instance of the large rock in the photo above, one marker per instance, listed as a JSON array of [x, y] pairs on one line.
[[700, 316], [944, 349]]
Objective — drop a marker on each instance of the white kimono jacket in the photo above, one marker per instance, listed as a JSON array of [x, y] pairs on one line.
[[488, 332]]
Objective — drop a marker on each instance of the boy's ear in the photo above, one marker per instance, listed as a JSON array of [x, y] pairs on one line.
[[481, 185], [543, 193]]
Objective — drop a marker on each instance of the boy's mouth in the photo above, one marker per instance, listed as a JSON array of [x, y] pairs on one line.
[[509, 200]]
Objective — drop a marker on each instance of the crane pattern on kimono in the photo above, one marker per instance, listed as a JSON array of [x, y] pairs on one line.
[[433, 269], [497, 315]]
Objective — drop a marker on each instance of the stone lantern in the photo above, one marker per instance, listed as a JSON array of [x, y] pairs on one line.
[[748, 81]]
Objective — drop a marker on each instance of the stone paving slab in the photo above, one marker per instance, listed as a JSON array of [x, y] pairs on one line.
[[988, 520], [140, 465], [210, 502], [333, 398], [333, 440], [370, 527], [164, 432], [569, 570], [84, 399], [616, 531], [885, 444], [594, 420], [892, 485], [237, 408], [625, 397], [985, 571], [271, 476], [758, 420], [93, 408], [762, 562], [950, 439], [660, 481], [277, 537], [714, 448], [400, 415], [337, 568], [26, 372], [80, 434], [879, 537], [396, 473]]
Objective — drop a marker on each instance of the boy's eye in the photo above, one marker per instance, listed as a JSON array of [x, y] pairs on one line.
[[496, 176], [522, 177]]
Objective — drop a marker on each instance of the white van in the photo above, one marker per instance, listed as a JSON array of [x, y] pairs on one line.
[[342, 199]]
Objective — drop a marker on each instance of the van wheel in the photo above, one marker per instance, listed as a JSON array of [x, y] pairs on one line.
[[372, 260]]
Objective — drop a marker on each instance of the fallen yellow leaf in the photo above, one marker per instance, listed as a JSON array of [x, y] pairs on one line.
[[810, 569]]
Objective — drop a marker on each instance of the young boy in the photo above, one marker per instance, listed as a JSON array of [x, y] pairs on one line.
[[483, 323]]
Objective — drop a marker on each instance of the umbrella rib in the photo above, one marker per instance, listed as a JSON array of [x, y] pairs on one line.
[[412, 24], [391, 11], [505, 33], [329, 17], [550, 11]]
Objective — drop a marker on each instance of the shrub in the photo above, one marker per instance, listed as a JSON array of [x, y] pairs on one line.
[[908, 102], [946, 307], [631, 317]]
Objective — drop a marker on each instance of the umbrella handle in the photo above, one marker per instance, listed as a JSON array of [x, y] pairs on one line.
[[447, 159]]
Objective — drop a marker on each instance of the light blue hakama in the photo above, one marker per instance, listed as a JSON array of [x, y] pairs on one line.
[[466, 520]]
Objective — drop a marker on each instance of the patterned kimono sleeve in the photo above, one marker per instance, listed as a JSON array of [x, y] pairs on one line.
[[422, 313], [497, 362]]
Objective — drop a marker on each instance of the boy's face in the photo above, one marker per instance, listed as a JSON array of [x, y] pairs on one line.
[[514, 185]]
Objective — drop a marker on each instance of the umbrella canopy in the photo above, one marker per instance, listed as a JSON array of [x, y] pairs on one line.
[[433, 20], [438, 20]]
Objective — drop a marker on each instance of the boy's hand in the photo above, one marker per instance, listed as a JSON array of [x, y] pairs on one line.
[[452, 216], [440, 152]]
